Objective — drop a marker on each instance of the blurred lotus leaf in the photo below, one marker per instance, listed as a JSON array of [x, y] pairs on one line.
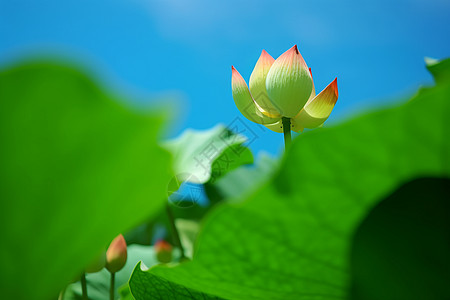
[[77, 168], [205, 155]]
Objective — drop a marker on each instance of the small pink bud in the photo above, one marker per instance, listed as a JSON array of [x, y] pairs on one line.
[[116, 255], [163, 251]]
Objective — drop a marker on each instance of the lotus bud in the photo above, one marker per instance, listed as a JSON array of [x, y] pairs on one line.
[[289, 83], [116, 255], [282, 92], [163, 251]]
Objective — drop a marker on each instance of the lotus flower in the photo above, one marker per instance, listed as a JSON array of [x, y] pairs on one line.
[[283, 89]]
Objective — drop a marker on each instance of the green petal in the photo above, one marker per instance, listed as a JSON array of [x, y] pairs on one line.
[[289, 83], [317, 109], [258, 85], [244, 101]]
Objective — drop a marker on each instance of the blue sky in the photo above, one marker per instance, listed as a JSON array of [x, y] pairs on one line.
[[159, 51]]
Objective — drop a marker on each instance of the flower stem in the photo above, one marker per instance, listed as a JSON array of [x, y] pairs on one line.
[[174, 229], [84, 286], [287, 132], [111, 286]]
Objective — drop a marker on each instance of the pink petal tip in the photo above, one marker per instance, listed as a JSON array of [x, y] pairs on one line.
[[265, 53], [334, 87]]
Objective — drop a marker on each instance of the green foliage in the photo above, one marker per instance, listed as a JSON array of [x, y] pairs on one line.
[[147, 286], [201, 156], [439, 69], [291, 239], [233, 184], [77, 168], [243, 180], [125, 293], [98, 283], [400, 250], [188, 230]]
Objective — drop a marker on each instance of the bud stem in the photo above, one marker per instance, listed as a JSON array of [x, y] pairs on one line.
[[287, 132], [173, 227], [111, 286], [84, 286]]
